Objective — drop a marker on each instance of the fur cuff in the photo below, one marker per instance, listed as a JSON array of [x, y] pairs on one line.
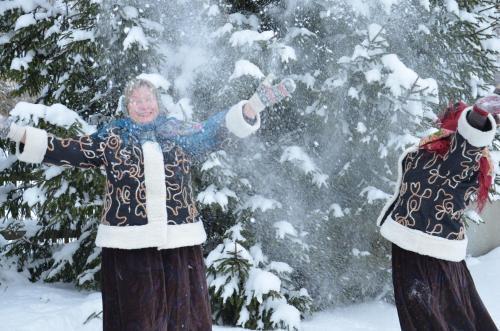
[[475, 137], [236, 124], [35, 146]]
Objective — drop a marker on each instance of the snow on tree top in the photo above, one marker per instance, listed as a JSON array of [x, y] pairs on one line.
[[245, 67], [213, 10], [286, 53], [226, 28], [261, 282], [300, 159], [257, 254], [130, 12], [76, 35], [294, 32], [240, 19], [452, 7], [212, 195], [24, 21], [56, 114], [34, 195], [373, 193], [337, 210], [259, 202], [248, 37], [426, 4], [20, 63], [135, 36], [387, 4], [403, 77], [283, 312], [279, 267], [284, 228]]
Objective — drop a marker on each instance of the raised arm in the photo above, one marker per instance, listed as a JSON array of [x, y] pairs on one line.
[[207, 136], [35, 145], [241, 120]]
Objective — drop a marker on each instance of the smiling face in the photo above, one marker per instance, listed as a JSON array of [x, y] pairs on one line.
[[142, 105]]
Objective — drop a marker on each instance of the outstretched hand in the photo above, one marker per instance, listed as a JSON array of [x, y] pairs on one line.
[[483, 107], [267, 95]]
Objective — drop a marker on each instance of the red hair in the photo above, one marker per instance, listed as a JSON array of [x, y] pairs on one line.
[[448, 120]]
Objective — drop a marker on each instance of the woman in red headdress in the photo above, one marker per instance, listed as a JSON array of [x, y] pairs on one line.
[[437, 180]]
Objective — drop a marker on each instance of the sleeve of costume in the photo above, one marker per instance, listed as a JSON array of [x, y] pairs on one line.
[[474, 136], [39, 146], [215, 130], [82, 152], [466, 147]]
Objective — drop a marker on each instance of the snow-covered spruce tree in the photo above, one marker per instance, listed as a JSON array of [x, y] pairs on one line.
[[232, 270], [247, 289], [458, 37], [360, 100], [226, 183], [58, 52]]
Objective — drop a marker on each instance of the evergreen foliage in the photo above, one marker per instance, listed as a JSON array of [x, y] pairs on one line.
[[306, 190]]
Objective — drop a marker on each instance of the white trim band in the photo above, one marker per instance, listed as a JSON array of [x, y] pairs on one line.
[[131, 237], [398, 183], [35, 146], [154, 180], [476, 137], [187, 234], [423, 243], [236, 123], [158, 235]]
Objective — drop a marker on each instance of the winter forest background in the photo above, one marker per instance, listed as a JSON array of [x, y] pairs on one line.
[[291, 211]]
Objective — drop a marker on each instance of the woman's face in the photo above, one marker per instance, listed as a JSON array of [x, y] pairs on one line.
[[142, 105]]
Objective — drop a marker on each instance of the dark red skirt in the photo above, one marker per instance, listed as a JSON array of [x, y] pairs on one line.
[[155, 290], [434, 294]]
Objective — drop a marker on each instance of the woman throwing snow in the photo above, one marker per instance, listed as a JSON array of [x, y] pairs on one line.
[[432, 285], [153, 274]]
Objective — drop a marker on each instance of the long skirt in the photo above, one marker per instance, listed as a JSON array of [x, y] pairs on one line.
[[155, 290], [434, 294]]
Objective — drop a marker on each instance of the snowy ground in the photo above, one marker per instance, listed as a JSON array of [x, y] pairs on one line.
[[26, 306]]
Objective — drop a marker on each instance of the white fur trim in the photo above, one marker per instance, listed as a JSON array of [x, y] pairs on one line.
[[236, 123], [398, 183], [16, 132], [423, 243], [158, 235], [154, 179], [187, 234], [35, 146], [132, 237], [476, 137]]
